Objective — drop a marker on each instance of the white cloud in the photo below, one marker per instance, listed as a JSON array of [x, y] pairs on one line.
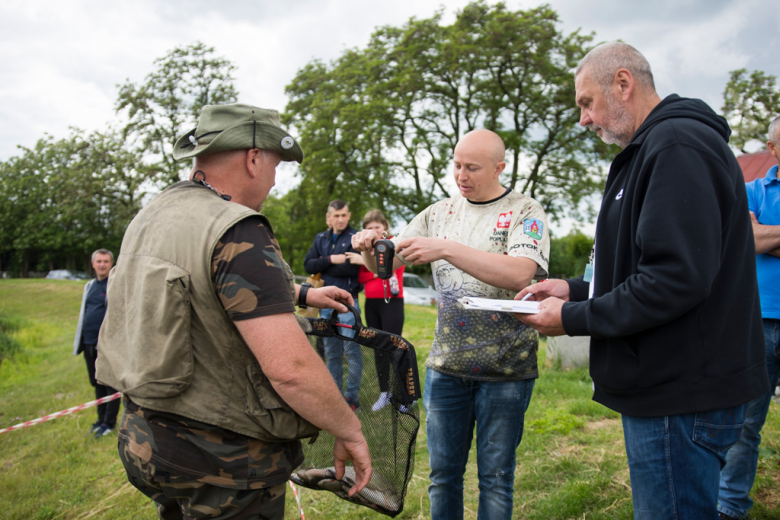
[[63, 59]]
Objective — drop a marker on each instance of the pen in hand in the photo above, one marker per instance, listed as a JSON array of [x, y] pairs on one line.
[[524, 298]]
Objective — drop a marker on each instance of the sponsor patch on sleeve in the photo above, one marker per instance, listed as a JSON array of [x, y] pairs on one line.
[[534, 228]]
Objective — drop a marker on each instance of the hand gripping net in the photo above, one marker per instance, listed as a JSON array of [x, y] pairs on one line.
[[367, 361]]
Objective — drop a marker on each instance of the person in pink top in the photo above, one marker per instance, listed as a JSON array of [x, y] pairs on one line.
[[380, 315]]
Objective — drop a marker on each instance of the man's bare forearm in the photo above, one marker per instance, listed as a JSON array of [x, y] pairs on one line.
[[298, 375], [493, 269], [767, 238]]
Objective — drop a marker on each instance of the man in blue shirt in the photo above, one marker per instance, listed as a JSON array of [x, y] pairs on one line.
[[736, 478], [93, 310]]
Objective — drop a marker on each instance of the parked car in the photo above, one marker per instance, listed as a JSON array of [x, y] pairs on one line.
[[417, 292], [67, 274]]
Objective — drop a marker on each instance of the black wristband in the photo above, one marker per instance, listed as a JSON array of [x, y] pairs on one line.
[[302, 294]]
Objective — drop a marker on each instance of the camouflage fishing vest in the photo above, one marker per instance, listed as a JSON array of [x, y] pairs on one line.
[[167, 342]]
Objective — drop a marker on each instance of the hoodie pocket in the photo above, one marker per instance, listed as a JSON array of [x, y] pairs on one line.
[[614, 365]]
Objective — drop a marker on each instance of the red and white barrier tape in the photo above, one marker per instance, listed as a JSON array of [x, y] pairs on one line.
[[64, 412], [297, 498], [105, 400]]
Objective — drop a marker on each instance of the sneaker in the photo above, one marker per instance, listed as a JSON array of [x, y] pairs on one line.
[[404, 409], [354, 404], [94, 428], [384, 400], [103, 431]]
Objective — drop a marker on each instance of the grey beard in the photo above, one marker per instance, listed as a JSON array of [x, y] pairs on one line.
[[611, 137]]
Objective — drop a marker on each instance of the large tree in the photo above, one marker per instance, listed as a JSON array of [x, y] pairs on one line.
[[65, 198], [750, 102], [379, 124], [169, 101]]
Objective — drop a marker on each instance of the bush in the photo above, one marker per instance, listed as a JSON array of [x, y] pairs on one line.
[[569, 254]]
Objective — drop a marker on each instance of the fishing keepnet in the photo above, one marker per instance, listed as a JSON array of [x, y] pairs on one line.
[[377, 374]]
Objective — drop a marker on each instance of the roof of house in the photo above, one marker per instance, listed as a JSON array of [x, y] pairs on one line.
[[755, 165]]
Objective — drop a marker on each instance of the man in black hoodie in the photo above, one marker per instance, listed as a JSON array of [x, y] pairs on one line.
[[672, 304]]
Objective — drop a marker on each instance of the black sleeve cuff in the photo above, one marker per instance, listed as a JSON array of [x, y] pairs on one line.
[[578, 289]]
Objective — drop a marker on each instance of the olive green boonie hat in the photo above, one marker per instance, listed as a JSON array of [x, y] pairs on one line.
[[237, 127]]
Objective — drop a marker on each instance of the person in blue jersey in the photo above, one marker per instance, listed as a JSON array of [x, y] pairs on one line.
[[736, 479]]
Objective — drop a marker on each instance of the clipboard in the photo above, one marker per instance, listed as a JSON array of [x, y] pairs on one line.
[[487, 304]]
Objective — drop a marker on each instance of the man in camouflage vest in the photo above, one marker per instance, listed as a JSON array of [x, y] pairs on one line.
[[219, 380]]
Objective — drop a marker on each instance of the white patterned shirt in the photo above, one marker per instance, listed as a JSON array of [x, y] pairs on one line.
[[472, 344]]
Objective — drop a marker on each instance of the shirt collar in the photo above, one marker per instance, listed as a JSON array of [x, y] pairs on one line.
[[771, 175]]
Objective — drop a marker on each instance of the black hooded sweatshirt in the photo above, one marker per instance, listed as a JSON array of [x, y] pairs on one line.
[[675, 322]]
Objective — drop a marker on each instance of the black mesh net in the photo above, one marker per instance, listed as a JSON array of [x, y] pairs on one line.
[[377, 374]]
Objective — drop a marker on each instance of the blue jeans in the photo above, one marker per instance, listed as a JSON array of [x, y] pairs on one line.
[[675, 462], [737, 477], [453, 406], [336, 349]]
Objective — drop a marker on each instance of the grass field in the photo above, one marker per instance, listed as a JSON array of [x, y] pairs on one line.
[[571, 463]]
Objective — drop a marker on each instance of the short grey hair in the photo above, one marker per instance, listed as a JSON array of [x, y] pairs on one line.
[[773, 134], [103, 252], [606, 59]]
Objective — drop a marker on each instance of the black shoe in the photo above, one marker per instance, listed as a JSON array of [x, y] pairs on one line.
[[94, 428]]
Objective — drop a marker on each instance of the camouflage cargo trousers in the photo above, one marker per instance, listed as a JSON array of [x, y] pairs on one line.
[[179, 498]]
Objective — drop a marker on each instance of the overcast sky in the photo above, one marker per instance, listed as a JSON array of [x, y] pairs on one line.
[[62, 60]]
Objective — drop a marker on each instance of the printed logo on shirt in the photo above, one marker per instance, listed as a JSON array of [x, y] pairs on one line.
[[534, 228], [619, 195], [504, 219]]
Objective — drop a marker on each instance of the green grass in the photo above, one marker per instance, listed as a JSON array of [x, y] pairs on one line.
[[571, 463]]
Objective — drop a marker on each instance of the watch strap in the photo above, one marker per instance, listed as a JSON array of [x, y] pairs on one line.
[[302, 293]]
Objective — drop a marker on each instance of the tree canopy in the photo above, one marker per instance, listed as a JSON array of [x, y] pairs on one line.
[[183, 81], [750, 102], [379, 124], [65, 198]]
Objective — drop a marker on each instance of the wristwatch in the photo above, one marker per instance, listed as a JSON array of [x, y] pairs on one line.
[[302, 294]]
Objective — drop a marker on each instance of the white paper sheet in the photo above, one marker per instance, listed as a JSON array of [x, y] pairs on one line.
[[486, 304]]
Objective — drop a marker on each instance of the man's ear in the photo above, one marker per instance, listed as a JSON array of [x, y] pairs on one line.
[[253, 161], [623, 84], [499, 168]]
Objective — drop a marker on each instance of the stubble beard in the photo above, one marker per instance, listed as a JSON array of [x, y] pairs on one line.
[[620, 129]]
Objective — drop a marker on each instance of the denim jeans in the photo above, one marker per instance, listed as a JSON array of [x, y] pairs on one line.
[[453, 406], [675, 462], [336, 349], [737, 477]]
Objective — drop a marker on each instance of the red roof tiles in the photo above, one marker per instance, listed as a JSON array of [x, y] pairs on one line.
[[755, 165]]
